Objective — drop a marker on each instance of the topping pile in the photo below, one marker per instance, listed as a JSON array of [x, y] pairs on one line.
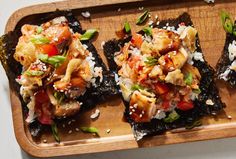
[[226, 67], [56, 69], [156, 73]]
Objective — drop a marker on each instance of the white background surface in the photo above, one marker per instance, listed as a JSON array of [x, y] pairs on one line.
[[9, 149]]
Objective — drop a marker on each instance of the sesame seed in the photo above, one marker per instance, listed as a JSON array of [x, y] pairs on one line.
[[70, 131], [119, 9], [77, 129], [209, 102], [141, 115], [55, 39], [132, 110], [108, 131], [86, 14], [45, 141], [156, 16], [150, 22], [140, 8], [130, 113], [63, 125], [131, 107], [143, 112], [213, 113], [95, 114], [69, 122], [135, 105]]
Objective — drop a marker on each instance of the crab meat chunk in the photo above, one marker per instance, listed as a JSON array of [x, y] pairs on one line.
[[189, 38], [175, 77]]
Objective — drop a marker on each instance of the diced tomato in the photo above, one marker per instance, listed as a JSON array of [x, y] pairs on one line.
[[49, 49], [183, 105], [140, 67], [43, 107], [161, 88], [137, 40], [165, 104]]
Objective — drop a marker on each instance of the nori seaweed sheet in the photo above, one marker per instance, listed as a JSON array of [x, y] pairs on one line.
[[224, 61], [93, 95], [207, 86]]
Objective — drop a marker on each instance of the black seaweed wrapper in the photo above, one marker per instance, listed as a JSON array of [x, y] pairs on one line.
[[207, 86], [224, 61], [93, 95]]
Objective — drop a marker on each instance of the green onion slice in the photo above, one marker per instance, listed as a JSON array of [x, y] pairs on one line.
[[172, 117], [89, 130], [142, 18], [39, 39], [55, 132], [147, 31], [88, 34], [127, 27], [226, 22]]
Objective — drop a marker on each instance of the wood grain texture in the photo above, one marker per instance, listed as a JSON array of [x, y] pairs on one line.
[[107, 19]]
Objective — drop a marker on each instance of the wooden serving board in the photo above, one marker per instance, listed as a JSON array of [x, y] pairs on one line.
[[107, 19]]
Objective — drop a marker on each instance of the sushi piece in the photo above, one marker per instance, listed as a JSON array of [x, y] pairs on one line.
[[163, 76], [55, 69], [226, 66]]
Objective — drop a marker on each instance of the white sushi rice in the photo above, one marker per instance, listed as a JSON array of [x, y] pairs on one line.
[[232, 50], [160, 114], [210, 1], [86, 14], [180, 29], [171, 28], [224, 75], [135, 51], [232, 55], [233, 65], [96, 71], [198, 56], [31, 113]]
